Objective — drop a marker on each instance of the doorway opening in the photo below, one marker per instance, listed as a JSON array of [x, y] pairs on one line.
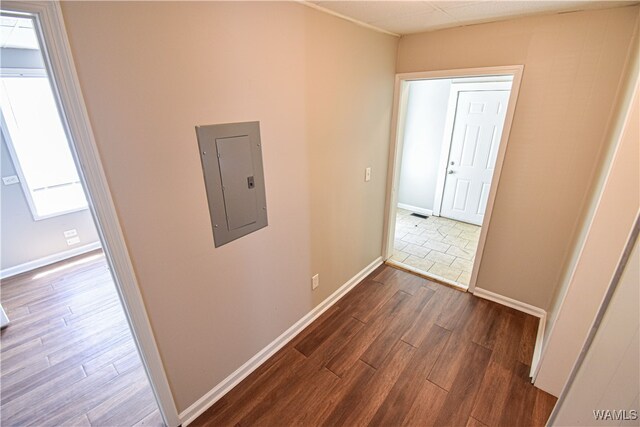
[[450, 134], [68, 354]]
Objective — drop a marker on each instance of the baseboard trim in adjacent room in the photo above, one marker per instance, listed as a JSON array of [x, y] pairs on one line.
[[525, 308], [205, 402], [51, 259], [416, 209]]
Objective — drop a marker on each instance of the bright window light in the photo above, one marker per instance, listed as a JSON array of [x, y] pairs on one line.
[[38, 144]]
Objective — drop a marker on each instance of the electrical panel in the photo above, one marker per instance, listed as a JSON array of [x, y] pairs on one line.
[[231, 156]]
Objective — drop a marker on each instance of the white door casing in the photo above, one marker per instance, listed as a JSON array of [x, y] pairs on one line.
[[470, 150], [513, 73]]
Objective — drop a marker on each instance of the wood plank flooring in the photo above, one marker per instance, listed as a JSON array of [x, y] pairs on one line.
[[67, 357], [397, 350]]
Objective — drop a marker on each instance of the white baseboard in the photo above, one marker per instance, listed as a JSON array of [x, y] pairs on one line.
[[4, 320], [525, 308], [205, 402], [416, 209], [41, 262], [537, 350]]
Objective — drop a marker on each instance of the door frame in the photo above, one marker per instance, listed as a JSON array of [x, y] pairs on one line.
[[456, 88], [398, 117], [67, 91]]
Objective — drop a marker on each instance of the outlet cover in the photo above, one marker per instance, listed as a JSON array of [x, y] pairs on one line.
[[315, 281], [8, 180], [73, 241]]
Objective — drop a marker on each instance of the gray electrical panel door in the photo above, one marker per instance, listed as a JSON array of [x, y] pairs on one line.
[[236, 171], [231, 158]]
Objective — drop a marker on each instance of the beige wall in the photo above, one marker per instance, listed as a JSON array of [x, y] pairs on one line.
[[322, 90], [573, 66], [24, 240], [608, 376], [617, 207], [616, 128]]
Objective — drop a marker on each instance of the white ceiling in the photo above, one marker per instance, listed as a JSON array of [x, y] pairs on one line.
[[406, 17], [17, 32]]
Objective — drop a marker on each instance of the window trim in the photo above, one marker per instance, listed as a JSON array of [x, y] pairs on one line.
[[26, 191], [15, 159]]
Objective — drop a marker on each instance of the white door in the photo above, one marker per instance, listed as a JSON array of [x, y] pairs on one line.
[[475, 139]]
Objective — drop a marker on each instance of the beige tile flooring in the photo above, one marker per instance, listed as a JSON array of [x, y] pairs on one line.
[[438, 246]]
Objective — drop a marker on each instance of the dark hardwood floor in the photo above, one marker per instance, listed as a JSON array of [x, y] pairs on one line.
[[397, 350], [68, 357]]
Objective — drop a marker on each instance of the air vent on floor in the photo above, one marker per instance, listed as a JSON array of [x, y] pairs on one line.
[[420, 215]]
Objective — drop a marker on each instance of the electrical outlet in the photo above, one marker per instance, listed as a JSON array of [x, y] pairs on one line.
[[8, 180], [367, 174], [70, 233], [73, 241], [315, 281]]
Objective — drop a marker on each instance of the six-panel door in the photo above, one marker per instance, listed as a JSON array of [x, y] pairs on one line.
[[475, 141]]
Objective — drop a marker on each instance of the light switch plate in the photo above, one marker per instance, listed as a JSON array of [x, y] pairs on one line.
[[12, 179], [71, 233], [367, 174]]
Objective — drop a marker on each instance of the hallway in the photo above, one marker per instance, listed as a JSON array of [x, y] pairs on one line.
[[397, 350]]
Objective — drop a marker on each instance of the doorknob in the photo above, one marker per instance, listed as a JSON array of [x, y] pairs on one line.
[[450, 172]]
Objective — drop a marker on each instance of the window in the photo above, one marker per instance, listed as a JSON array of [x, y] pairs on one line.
[[32, 127]]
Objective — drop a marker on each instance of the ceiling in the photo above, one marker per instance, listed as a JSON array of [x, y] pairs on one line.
[[407, 17], [17, 33]]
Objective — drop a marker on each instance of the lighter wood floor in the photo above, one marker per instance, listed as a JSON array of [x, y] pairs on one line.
[[68, 357], [397, 350]]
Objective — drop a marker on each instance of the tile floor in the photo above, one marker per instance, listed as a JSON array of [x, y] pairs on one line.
[[441, 247]]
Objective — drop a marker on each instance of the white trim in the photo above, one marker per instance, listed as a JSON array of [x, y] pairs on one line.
[[347, 18], [23, 72], [525, 308], [494, 79], [24, 185], [396, 144], [205, 402], [600, 320], [51, 259], [495, 179], [398, 119], [4, 320], [426, 275], [445, 147], [510, 302], [537, 349], [498, 71], [59, 62], [415, 209]]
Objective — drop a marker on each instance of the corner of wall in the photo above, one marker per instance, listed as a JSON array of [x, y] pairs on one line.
[[615, 128], [553, 371]]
